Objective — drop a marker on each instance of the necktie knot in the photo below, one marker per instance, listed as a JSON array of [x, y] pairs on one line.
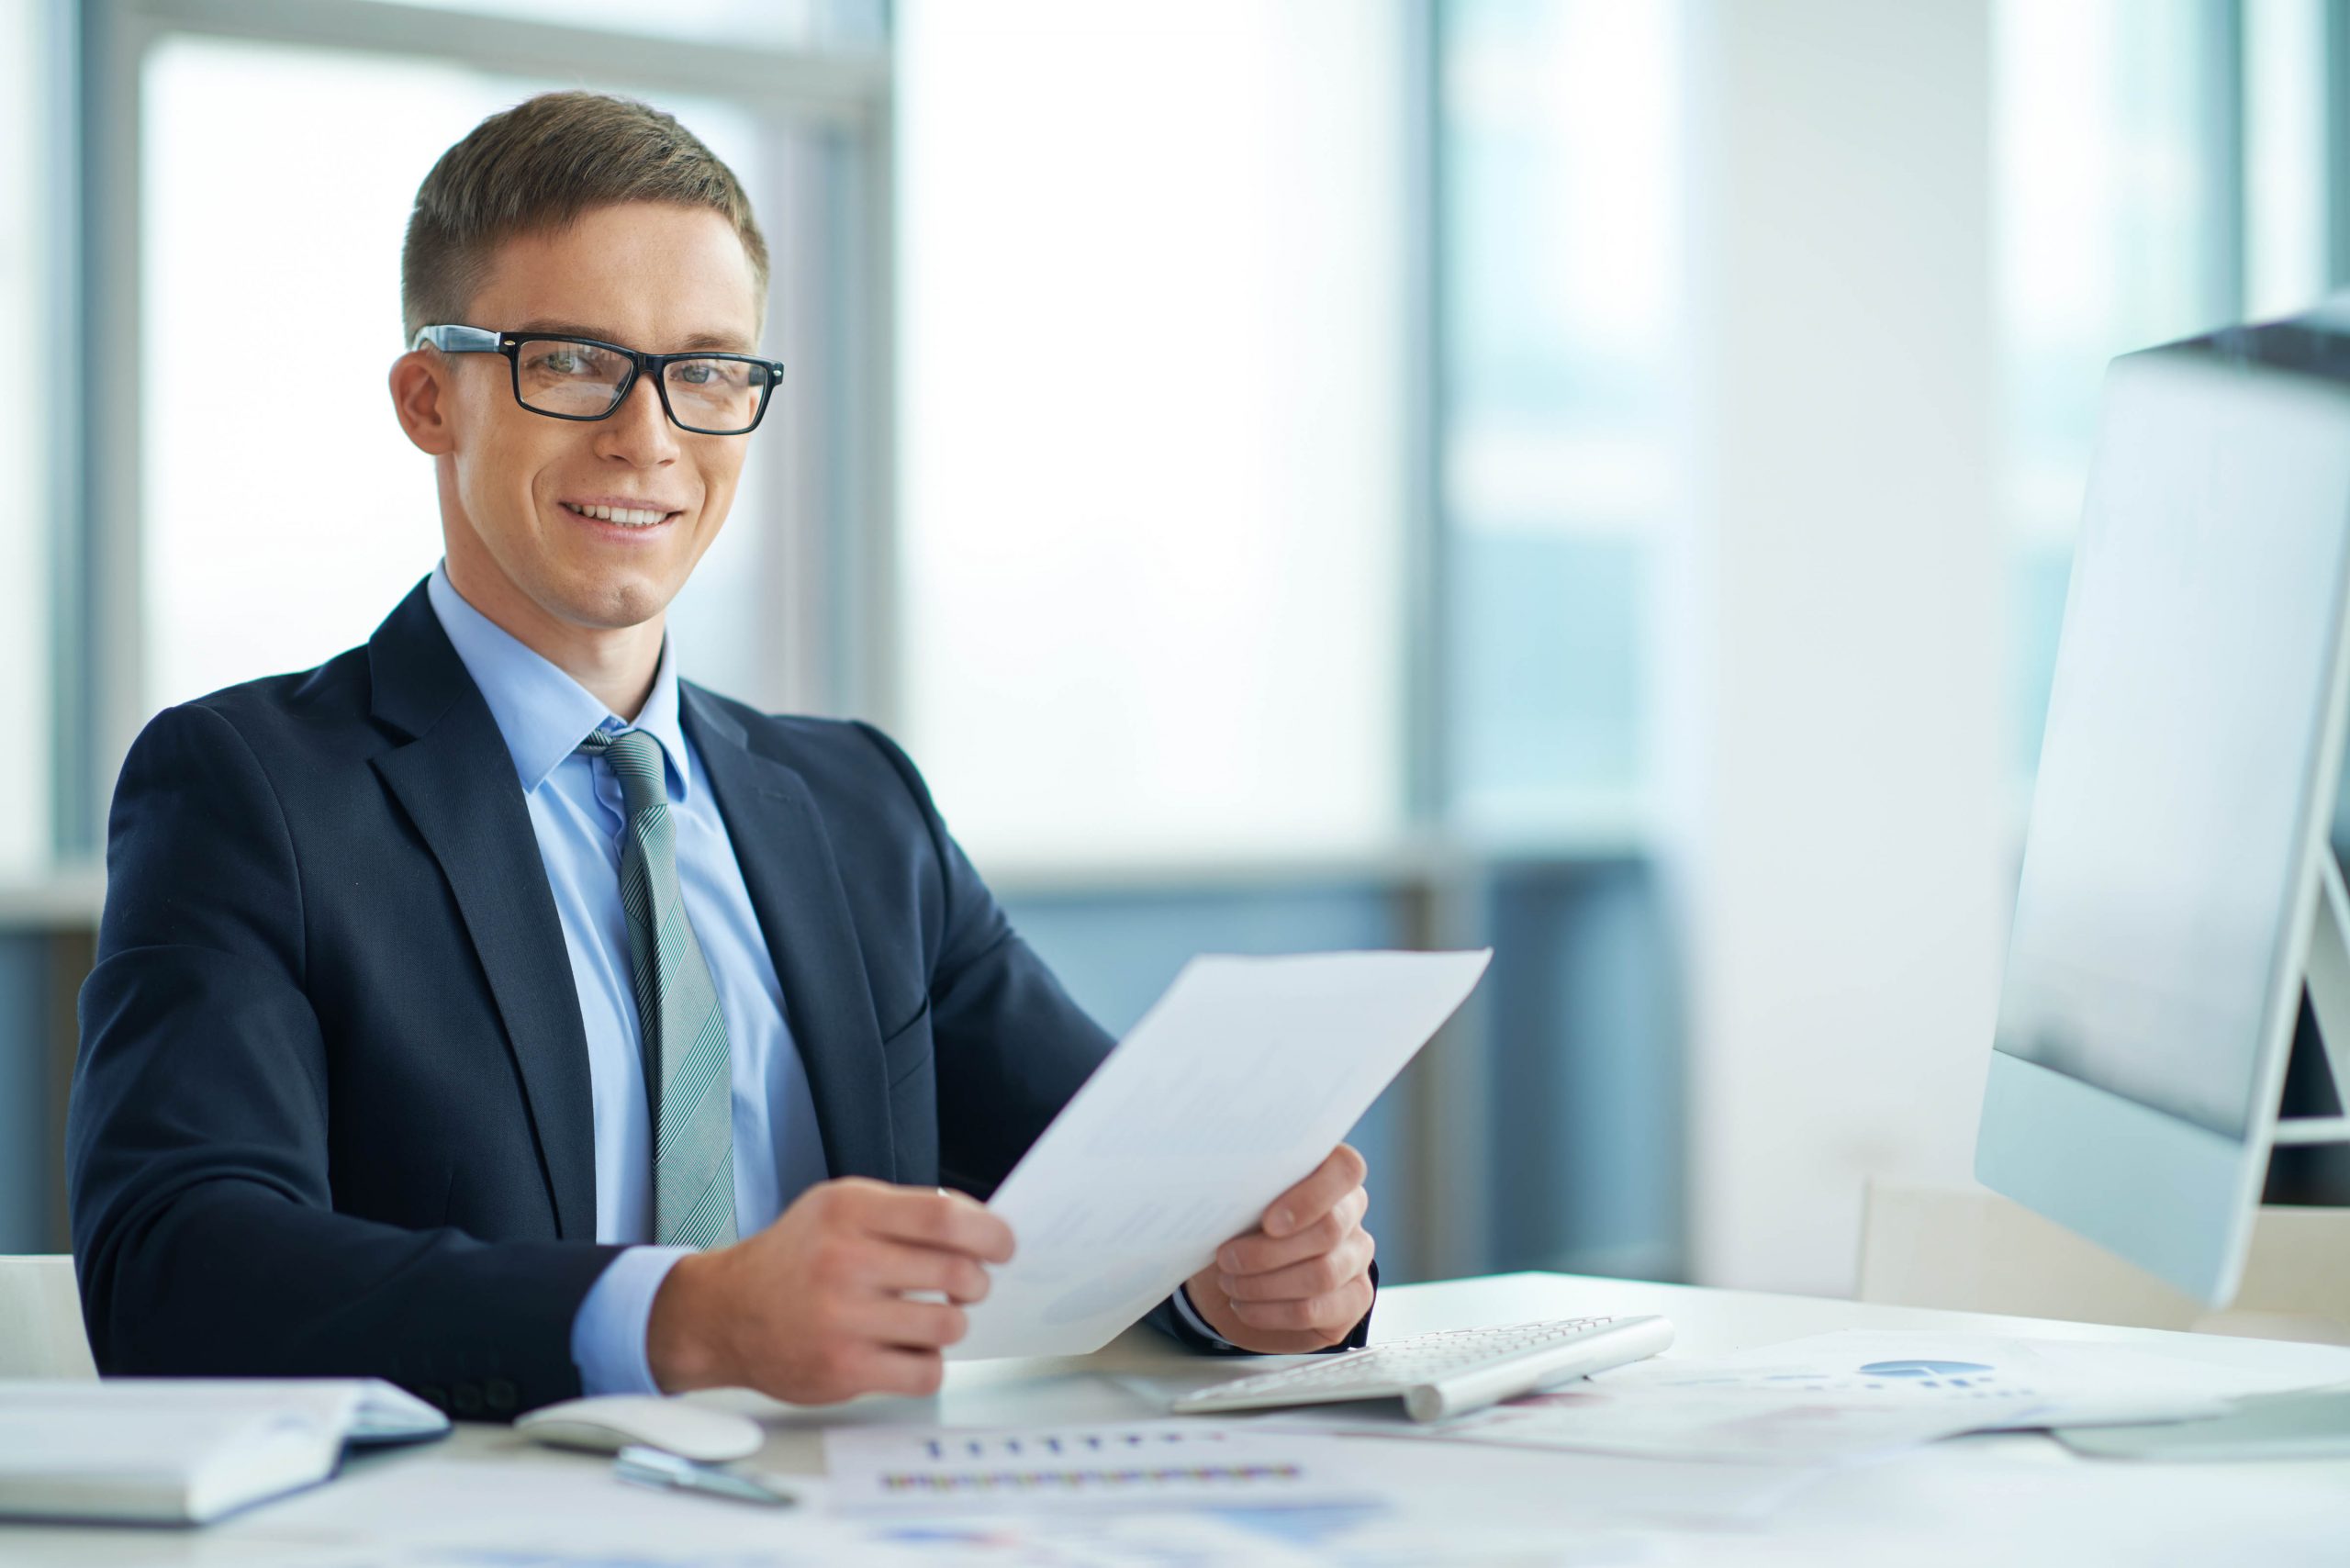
[[634, 757]]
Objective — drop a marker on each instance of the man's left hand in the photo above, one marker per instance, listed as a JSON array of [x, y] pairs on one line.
[[1301, 1280]]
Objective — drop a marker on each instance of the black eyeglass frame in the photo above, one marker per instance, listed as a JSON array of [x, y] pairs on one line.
[[451, 337]]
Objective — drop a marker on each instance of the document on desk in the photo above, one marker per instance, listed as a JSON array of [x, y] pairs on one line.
[[1995, 1381], [1235, 1085], [1043, 1469]]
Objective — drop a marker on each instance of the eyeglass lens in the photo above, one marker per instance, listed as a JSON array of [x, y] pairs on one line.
[[718, 396]]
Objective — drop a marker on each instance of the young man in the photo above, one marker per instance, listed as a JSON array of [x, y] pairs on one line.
[[492, 1010]]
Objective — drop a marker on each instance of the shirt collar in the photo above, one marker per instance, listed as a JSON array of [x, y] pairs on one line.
[[541, 711]]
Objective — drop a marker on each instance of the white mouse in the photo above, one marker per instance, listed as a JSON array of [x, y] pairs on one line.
[[612, 1422]]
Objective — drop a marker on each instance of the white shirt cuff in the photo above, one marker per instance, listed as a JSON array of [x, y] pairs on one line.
[[608, 1331], [1198, 1325]]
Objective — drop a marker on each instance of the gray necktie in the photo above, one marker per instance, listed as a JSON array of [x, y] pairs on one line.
[[686, 1063]]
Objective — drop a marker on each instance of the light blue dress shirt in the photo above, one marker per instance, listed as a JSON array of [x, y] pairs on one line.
[[575, 803]]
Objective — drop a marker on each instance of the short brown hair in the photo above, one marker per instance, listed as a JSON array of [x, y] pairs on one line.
[[538, 166]]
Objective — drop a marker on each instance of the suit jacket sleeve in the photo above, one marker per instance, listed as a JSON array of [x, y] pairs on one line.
[[204, 1222], [1007, 1037]]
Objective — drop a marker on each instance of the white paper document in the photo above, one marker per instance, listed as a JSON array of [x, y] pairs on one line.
[[1236, 1085], [1731, 1426], [1146, 1464], [1995, 1381]]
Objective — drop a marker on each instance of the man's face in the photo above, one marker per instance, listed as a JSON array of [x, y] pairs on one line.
[[519, 486]]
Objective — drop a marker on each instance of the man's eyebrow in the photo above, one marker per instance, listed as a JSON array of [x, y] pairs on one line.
[[725, 342]]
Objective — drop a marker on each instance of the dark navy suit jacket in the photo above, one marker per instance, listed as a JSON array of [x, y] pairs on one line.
[[331, 1114]]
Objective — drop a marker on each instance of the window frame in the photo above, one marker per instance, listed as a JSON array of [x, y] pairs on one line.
[[827, 116]]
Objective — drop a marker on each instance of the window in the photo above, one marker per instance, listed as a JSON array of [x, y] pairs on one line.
[[285, 514], [30, 420], [776, 23], [1561, 291], [2161, 171], [1151, 604]]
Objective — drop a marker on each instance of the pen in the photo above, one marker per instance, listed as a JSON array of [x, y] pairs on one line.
[[651, 1467]]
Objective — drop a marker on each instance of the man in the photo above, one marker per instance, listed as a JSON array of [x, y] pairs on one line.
[[492, 1010]]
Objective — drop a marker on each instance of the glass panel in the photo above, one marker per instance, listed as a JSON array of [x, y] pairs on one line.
[[2113, 218], [2285, 155], [284, 518], [1152, 422], [27, 397], [777, 24], [1561, 158]]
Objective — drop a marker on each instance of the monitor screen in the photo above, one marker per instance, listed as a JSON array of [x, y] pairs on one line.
[[2166, 864]]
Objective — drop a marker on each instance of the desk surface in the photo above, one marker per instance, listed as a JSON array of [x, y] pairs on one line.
[[2011, 1499]]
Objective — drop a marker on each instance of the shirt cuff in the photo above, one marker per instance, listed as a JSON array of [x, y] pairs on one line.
[[1195, 1323], [608, 1331]]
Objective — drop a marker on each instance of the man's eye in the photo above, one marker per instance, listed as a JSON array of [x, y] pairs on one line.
[[562, 362]]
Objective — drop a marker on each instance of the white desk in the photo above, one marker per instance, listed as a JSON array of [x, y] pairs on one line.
[[2011, 1499]]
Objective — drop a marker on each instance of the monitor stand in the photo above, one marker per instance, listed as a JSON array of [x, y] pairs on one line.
[[2309, 1164], [2316, 1104]]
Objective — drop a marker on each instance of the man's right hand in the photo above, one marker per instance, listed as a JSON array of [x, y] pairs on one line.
[[813, 1308]]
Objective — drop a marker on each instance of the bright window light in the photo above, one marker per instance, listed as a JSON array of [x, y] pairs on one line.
[[285, 514], [1152, 422]]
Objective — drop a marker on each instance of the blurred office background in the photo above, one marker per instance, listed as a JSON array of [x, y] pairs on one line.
[[1593, 478]]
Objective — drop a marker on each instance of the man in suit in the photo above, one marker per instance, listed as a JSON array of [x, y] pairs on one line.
[[493, 1011]]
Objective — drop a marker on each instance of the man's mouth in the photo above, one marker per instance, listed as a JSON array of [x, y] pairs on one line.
[[624, 516]]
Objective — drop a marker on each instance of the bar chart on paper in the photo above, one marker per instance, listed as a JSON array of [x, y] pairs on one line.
[[1155, 1463]]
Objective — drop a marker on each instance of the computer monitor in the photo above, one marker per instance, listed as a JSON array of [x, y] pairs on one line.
[[2179, 896]]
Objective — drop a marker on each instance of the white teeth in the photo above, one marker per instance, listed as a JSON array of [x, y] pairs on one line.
[[627, 517]]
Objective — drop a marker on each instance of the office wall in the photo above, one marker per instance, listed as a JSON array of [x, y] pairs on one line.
[[1836, 785]]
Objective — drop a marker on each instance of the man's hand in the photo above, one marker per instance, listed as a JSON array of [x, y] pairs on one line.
[[814, 1310], [1301, 1280]]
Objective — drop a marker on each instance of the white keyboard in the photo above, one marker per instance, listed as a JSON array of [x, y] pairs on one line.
[[1447, 1374]]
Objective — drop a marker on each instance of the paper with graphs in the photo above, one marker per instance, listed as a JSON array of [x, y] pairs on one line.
[[1236, 1085]]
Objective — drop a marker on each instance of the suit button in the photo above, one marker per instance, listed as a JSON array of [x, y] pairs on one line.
[[500, 1395], [468, 1400]]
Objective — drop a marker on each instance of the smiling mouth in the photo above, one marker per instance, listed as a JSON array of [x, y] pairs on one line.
[[624, 517]]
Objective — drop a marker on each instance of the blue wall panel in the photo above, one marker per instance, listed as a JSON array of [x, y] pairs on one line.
[[28, 1180]]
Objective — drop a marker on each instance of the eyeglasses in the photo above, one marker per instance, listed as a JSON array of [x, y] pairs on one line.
[[585, 379]]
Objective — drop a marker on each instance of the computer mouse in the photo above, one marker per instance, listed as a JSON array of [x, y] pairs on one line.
[[610, 1422]]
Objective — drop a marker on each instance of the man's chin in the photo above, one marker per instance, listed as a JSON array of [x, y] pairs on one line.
[[616, 603]]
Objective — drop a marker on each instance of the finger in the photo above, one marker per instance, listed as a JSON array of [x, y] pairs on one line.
[[1257, 1252], [911, 1325], [889, 1370], [931, 1216], [899, 1266], [1317, 1194], [1298, 1282], [1332, 1312]]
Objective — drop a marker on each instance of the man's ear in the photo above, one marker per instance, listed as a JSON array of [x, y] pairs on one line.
[[421, 397]]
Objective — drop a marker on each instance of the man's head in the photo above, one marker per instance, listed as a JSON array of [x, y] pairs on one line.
[[596, 217]]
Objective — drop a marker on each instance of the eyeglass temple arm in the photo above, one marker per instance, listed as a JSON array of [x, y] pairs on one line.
[[457, 340]]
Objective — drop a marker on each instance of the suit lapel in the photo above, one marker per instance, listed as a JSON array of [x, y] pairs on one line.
[[795, 886], [456, 779]]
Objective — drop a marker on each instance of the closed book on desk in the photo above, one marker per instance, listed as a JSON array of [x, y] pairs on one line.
[[183, 1450]]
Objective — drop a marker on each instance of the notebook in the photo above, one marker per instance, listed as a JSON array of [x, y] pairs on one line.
[[183, 1450]]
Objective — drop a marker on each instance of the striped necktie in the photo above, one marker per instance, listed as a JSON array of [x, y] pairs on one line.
[[686, 1063]]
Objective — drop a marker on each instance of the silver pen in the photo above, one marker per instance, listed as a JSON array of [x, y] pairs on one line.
[[652, 1467]]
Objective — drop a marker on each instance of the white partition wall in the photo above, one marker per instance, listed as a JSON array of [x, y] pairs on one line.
[[1837, 752]]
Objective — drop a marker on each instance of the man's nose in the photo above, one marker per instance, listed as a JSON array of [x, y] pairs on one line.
[[639, 429]]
